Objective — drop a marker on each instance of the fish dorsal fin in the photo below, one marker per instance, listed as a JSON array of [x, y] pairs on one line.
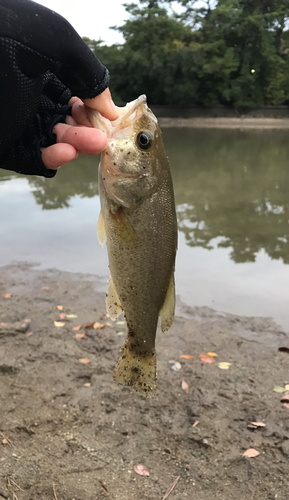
[[100, 230], [168, 309], [113, 305]]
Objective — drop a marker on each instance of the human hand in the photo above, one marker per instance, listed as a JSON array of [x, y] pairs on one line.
[[77, 136]]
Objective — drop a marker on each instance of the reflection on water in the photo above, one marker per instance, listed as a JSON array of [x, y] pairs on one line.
[[231, 190], [234, 185]]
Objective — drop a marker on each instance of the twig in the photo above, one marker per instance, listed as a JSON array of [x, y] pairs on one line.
[[14, 484], [6, 440], [171, 488], [55, 496], [14, 496]]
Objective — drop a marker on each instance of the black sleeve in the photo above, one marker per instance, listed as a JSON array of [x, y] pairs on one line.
[[43, 62]]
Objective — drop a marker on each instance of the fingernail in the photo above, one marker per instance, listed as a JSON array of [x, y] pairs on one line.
[[114, 107]]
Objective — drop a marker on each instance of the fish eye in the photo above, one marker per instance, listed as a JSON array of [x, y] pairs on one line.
[[145, 140]]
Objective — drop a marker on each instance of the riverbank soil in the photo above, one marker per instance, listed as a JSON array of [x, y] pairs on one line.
[[68, 432]]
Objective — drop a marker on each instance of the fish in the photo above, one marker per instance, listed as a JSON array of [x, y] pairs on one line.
[[139, 225]]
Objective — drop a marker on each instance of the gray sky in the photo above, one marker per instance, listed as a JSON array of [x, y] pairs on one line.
[[92, 18]]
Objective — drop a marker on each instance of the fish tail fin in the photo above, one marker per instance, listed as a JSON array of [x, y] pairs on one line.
[[136, 370]]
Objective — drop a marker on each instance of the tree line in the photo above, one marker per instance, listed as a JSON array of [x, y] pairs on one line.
[[226, 52]]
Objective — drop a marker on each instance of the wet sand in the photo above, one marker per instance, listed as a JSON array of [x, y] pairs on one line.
[[66, 428]]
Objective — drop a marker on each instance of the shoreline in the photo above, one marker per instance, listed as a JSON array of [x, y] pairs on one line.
[[225, 123]]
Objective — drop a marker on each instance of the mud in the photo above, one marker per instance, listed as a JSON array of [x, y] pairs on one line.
[[66, 428]]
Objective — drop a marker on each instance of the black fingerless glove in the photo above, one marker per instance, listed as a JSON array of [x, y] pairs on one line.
[[43, 62]]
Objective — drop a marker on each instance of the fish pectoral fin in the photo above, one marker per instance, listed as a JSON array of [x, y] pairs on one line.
[[113, 305], [167, 311], [100, 230]]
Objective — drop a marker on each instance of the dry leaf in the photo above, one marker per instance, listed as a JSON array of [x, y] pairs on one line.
[[187, 356], [279, 389], [81, 335], [206, 358], [89, 325], [59, 324], [224, 365], [258, 424], [84, 361], [98, 326], [285, 397], [141, 470], [76, 327], [88, 384], [6, 295], [175, 366], [287, 387], [185, 387], [213, 354], [62, 315], [45, 288], [60, 308], [29, 334], [70, 316], [251, 453]]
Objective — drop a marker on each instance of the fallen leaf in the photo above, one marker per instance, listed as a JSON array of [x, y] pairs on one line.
[[60, 308], [287, 387], [141, 470], [76, 327], [45, 288], [286, 405], [175, 366], [196, 423], [258, 424], [213, 354], [81, 335], [251, 453], [89, 325], [285, 397], [185, 387], [70, 316], [120, 322], [62, 315], [279, 389], [206, 358], [6, 295], [29, 334], [59, 324], [187, 356], [103, 484], [98, 326], [84, 361], [283, 349], [224, 365], [88, 384]]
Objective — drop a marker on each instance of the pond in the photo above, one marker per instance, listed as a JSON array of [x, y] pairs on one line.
[[232, 197]]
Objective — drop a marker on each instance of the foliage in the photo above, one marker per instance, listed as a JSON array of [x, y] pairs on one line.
[[232, 52]]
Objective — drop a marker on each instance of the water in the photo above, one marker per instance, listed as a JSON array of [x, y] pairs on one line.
[[232, 196]]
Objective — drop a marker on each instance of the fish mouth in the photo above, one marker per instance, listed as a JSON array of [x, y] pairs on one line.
[[127, 115]]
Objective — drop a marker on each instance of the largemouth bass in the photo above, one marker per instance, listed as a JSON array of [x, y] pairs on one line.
[[138, 222]]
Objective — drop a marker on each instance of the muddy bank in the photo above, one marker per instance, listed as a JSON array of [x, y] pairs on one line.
[[226, 123], [66, 428]]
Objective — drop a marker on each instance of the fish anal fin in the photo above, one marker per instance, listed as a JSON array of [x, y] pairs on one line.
[[167, 311], [136, 370], [100, 230], [113, 305]]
